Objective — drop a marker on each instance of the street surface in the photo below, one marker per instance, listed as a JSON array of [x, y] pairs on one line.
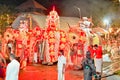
[[44, 72]]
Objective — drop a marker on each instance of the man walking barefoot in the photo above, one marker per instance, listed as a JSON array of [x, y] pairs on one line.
[[61, 65]]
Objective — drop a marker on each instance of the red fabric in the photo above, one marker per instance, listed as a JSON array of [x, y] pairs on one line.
[[2, 72], [26, 54], [98, 52]]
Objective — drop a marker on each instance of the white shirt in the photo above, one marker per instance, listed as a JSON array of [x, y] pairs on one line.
[[61, 61], [12, 70], [86, 23]]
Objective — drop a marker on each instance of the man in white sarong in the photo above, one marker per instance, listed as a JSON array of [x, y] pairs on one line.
[[35, 57], [61, 65]]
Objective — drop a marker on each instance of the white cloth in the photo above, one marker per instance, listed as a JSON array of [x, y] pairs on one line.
[[12, 70], [98, 64], [61, 62], [35, 57], [86, 23], [106, 58], [10, 45]]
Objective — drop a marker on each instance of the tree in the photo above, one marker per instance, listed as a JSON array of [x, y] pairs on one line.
[[7, 14]]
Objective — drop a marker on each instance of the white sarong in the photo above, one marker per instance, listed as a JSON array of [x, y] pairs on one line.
[[98, 64]]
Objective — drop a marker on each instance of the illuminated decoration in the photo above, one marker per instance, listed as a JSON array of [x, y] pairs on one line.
[[53, 20], [23, 25], [24, 38], [62, 40], [7, 41], [51, 41], [19, 48], [85, 25], [8, 35], [34, 37], [21, 37], [51, 38], [76, 34], [77, 37]]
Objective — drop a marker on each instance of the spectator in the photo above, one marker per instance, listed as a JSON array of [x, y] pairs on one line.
[[12, 70], [61, 65], [88, 67], [2, 66], [2, 69], [98, 58], [73, 53]]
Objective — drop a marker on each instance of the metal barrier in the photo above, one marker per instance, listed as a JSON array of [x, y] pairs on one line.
[[112, 67]]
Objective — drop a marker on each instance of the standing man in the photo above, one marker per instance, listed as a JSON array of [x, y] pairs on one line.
[[12, 70], [61, 65], [98, 58], [88, 67]]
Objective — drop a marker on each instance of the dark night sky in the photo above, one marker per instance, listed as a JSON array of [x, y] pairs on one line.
[[70, 7]]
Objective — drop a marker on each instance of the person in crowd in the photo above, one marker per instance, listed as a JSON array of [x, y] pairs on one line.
[[61, 65], [88, 67], [114, 51], [2, 69], [90, 48], [35, 56], [12, 70], [98, 58], [24, 60], [73, 53], [3, 59]]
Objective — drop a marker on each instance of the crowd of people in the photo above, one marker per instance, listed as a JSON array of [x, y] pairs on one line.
[[111, 46], [91, 64]]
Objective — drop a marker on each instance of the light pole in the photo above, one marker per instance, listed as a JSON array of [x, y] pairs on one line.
[[106, 23], [78, 11]]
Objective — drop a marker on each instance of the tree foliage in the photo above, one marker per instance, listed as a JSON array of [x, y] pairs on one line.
[[7, 15]]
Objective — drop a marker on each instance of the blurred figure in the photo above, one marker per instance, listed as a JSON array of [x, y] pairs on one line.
[[114, 50], [24, 59], [73, 53], [35, 56], [89, 67], [12, 70], [90, 48], [2, 66], [3, 59], [2, 69], [61, 65]]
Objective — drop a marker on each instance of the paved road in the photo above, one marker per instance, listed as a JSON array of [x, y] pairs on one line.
[[44, 72]]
